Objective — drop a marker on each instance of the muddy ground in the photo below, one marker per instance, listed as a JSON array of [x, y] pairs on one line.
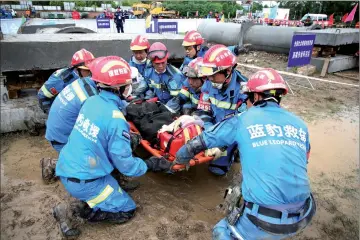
[[184, 205]]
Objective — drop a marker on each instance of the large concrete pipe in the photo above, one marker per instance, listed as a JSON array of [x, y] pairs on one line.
[[266, 38], [269, 38], [222, 33]]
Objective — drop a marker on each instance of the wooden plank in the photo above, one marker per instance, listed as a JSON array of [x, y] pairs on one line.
[[325, 67]]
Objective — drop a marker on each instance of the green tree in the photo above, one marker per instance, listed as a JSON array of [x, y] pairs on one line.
[[256, 7]]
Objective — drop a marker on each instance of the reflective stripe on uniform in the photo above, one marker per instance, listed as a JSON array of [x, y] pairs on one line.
[[79, 92], [101, 197], [174, 93], [198, 129], [186, 135], [193, 99], [154, 84], [118, 114], [222, 104], [46, 92], [185, 92]]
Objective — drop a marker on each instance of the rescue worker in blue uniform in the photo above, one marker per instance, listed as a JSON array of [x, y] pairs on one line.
[[99, 143], [140, 47], [193, 47], [221, 98], [62, 78], [276, 200], [190, 92], [161, 80], [65, 110]]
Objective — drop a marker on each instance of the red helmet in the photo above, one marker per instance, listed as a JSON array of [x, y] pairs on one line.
[[192, 38], [82, 58], [264, 80], [158, 52], [192, 70], [111, 71], [216, 59], [139, 43]]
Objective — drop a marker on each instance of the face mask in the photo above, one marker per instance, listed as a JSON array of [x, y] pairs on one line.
[[217, 85], [127, 92]]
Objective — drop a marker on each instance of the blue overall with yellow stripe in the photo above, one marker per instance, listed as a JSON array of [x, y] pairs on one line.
[[165, 86], [189, 98], [99, 142], [274, 146], [65, 109], [223, 104], [54, 85]]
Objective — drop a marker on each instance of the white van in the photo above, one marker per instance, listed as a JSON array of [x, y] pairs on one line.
[[315, 17]]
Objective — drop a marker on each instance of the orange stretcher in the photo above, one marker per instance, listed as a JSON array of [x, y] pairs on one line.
[[198, 159]]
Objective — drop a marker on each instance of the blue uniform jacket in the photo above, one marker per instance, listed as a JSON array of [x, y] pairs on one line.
[[188, 95], [66, 107], [222, 104], [140, 66], [165, 85], [99, 142], [273, 145], [55, 84]]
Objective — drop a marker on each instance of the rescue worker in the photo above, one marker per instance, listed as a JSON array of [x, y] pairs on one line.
[[161, 80], [140, 47], [221, 98], [63, 77], [119, 20], [192, 44], [276, 199], [190, 92], [100, 142], [66, 107], [62, 118]]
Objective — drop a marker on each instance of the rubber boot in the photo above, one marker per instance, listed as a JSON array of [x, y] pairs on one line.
[[110, 217], [60, 213], [236, 156], [48, 166], [124, 182]]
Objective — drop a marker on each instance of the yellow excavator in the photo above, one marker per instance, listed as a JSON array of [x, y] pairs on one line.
[[156, 9]]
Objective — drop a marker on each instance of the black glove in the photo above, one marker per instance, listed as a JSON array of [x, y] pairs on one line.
[[134, 140], [156, 164], [242, 49]]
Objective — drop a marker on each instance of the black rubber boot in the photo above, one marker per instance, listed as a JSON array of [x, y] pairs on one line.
[[48, 166], [60, 213], [117, 218], [236, 156]]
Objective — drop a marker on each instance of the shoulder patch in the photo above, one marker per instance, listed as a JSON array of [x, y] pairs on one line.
[[118, 114], [126, 134]]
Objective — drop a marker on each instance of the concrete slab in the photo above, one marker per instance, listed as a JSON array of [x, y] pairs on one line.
[[21, 114], [338, 63], [53, 51], [10, 26], [334, 37]]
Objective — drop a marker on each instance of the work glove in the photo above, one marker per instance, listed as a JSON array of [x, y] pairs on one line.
[[214, 152], [245, 48], [156, 164], [134, 140]]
